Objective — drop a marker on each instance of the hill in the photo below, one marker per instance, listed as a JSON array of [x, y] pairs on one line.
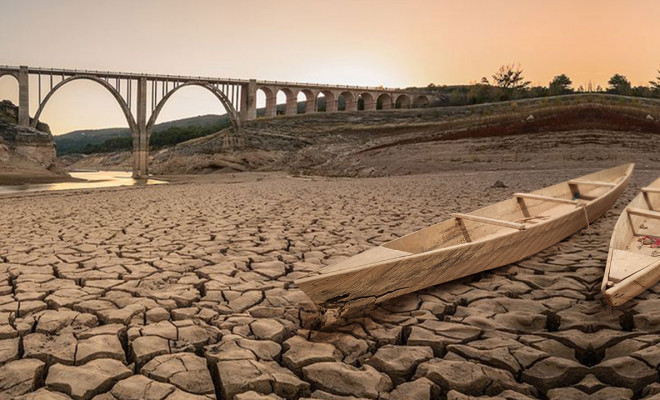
[[83, 141], [584, 130], [90, 141], [595, 130]]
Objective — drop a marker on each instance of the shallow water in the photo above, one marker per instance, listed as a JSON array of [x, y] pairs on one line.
[[92, 179]]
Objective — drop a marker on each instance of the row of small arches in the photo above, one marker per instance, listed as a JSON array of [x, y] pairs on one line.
[[285, 101]]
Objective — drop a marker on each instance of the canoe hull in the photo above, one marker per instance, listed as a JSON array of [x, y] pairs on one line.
[[633, 286], [379, 282], [624, 287]]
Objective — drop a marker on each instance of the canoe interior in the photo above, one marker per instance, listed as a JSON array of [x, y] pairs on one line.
[[528, 211], [628, 255]]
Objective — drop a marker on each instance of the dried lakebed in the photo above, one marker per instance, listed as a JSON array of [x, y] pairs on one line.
[[185, 292]]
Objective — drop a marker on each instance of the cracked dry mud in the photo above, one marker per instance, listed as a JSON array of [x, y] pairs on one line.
[[185, 292]]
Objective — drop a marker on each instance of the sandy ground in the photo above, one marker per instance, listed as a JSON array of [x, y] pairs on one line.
[[185, 291]]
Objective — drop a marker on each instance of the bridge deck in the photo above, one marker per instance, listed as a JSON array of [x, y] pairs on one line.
[[182, 78]]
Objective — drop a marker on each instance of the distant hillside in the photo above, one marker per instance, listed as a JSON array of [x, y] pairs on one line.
[[587, 130], [82, 140], [90, 141], [165, 134]]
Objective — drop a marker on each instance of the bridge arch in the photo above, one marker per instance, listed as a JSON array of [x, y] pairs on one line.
[[271, 100], [329, 101], [402, 101], [224, 100], [7, 73], [384, 102], [16, 93], [421, 101], [368, 102], [124, 106], [310, 100], [350, 101], [290, 100]]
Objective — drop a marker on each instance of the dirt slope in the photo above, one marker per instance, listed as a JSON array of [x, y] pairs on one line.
[[598, 130]]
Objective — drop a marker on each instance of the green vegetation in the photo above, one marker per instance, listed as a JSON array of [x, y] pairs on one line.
[[109, 145], [560, 84], [118, 139], [509, 83], [619, 84], [655, 85], [174, 135], [509, 77], [159, 139]]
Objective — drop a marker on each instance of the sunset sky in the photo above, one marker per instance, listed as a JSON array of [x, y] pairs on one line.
[[383, 42]]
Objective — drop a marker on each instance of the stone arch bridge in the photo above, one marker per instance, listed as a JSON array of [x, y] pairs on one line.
[[141, 97]]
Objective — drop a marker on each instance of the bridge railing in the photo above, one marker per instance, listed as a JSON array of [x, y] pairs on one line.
[[161, 77], [326, 85], [123, 75]]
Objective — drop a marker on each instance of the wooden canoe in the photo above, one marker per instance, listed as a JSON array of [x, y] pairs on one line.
[[633, 265], [487, 238]]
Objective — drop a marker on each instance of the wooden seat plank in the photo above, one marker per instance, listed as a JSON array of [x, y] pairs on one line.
[[544, 198], [491, 221], [643, 213]]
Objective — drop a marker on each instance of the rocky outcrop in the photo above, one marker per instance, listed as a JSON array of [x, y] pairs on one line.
[[26, 154], [30, 143], [228, 151]]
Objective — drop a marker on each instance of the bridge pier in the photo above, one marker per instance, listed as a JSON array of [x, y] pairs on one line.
[[331, 101], [23, 96], [249, 101], [271, 101], [369, 101], [350, 102], [291, 102], [141, 137], [310, 103]]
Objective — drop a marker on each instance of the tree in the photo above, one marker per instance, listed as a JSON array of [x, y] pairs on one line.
[[642, 91], [537, 91], [655, 85], [480, 93], [619, 84], [560, 84], [510, 77]]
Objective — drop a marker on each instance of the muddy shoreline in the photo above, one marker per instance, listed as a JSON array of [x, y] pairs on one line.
[[22, 179]]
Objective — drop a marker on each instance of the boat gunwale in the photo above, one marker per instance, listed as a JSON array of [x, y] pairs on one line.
[[623, 180]]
